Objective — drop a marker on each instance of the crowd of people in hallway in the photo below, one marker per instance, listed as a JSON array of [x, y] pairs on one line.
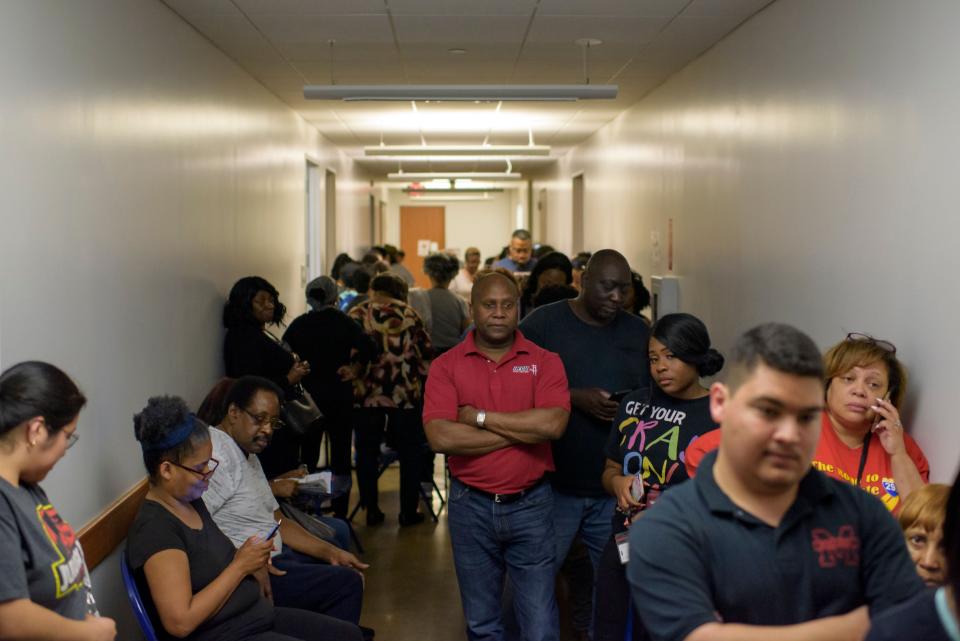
[[586, 448]]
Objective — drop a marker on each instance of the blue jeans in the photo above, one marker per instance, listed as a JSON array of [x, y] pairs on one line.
[[492, 538], [341, 530], [311, 584], [591, 516]]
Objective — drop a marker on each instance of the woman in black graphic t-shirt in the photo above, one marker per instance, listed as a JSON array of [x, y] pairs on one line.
[[644, 451]]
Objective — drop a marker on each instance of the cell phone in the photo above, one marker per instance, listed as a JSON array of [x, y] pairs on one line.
[[616, 397], [879, 417], [273, 532]]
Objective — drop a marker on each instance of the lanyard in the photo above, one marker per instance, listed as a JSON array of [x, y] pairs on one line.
[[947, 619], [863, 456]]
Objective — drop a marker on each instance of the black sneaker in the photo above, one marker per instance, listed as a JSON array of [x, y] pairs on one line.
[[411, 519], [375, 517]]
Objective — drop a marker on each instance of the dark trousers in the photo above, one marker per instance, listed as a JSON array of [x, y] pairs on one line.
[[300, 625], [404, 432], [338, 426], [310, 584], [613, 600]]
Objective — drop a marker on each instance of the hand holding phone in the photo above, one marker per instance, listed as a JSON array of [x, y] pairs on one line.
[[273, 532], [616, 397]]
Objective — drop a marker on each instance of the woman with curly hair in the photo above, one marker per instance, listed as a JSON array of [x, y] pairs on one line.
[[553, 268], [250, 349], [201, 587], [389, 393], [449, 313]]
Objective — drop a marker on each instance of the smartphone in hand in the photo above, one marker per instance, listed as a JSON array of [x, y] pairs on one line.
[[616, 397], [273, 531]]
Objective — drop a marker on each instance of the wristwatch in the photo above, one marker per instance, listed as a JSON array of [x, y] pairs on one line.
[[481, 417]]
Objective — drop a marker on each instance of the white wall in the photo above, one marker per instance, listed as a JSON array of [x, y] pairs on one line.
[[486, 224], [808, 163], [142, 172]]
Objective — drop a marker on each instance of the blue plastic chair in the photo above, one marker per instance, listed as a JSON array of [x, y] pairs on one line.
[[143, 619]]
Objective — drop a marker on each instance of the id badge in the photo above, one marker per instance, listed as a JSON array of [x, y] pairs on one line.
[[623, 546]]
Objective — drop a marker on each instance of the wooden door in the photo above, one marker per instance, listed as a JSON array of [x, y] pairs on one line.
[[419, 228]]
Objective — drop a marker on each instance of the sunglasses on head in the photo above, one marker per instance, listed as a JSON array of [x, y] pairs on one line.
[[887, 346]]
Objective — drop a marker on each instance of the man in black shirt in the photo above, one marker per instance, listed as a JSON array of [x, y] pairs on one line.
[[760, 545], [604, 350]]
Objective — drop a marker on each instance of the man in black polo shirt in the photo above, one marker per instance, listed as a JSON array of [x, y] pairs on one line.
[[760, 545]]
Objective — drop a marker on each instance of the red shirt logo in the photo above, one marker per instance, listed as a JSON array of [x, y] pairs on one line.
[[844, 547]]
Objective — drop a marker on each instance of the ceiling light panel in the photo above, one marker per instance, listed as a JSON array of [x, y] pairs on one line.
[[473, 119], [455, 175], [457, 150]]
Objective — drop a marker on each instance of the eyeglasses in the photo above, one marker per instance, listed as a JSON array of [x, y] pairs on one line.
[[887, 346], [212, 465], [264, 419], [72, 440]]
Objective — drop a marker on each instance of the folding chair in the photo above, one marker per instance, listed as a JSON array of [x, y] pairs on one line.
[[133, 594]]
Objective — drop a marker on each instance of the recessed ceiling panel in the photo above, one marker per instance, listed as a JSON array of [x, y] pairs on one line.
[[311, 7], [634, 8], [609, 29], [318, 28], [460, 7], [191, 8], [741, 8], [460, 31]]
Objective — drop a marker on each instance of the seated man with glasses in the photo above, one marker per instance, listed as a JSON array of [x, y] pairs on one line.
[[306, 572]]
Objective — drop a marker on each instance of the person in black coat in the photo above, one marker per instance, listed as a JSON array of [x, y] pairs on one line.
[[329, 340], [250, 349]]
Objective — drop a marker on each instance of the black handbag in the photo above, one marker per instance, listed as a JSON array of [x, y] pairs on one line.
[[299, 411]]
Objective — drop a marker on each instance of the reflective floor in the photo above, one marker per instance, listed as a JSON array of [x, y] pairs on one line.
[[411, 586]]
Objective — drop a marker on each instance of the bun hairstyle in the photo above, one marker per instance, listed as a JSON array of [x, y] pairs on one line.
[[167, 431], [686, 336], [34, 388], [441, 267]]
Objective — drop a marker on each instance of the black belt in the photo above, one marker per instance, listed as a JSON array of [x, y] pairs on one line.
[[506, 498]]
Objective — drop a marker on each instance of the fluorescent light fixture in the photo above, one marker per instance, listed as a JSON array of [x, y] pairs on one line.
[[535, 93], [427, 175], [457, 150], [451, 190], [446, 197]]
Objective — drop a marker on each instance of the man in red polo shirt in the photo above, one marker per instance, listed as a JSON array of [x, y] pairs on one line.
[[493, 404]]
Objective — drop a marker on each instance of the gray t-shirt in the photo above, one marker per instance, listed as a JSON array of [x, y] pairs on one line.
[[448, 311], [239, 497], [40, 556]]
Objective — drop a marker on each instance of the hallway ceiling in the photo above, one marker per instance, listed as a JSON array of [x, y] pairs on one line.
[[284, 44]]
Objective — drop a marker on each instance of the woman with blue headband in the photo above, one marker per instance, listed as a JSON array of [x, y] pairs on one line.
[[201, 587], [44, 584]]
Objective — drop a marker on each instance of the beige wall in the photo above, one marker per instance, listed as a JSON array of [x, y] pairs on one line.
[[143, 173], [808, 165], [486, 224]]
